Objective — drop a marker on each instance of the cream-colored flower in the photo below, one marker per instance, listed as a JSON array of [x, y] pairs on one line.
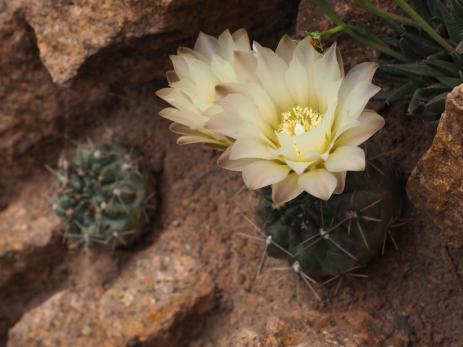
[[192, 84], [298, 121]]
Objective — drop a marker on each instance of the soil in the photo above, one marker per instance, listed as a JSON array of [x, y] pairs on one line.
[[413, 295]]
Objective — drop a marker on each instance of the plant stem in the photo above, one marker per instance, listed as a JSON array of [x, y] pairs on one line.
[[330, 32], [424, 25], [384, 14]]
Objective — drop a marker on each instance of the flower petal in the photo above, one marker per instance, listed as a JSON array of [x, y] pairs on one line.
[[297, 80], [263, 173], [207, 45], [366, 126], [226, 123], [232, 165], [249, 148], [230, 124], [313, 141], [285, 48], [346, 158], [189, 139], [306, 54], [226, 44], [319, 183], [298, 166], [341, 176], [271, 71], [177, 99], [286, 190], [245, 64], [190, 119], [353, 103], [328, 74], [241, 39], [257, 94], [247, 111]]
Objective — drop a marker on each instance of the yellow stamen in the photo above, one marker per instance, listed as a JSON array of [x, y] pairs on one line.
[[299, 120]]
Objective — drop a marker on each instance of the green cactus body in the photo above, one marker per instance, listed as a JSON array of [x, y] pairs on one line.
[[104, 196], [329, 238]]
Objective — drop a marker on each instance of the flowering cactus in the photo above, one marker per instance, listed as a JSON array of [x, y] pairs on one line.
[[294, 121], [329, 238], [290, 119], [192, 84], [104, 194]]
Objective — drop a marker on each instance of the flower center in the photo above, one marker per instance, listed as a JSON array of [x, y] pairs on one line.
[[299, 120]]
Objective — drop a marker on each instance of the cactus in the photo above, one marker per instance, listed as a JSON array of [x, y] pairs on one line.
[[104, 195], [423, 55], [329, 238]]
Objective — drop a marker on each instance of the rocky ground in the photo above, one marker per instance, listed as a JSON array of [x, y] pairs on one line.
[[191, 280]]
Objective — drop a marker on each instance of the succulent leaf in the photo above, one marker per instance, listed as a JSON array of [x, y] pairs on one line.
[[424, 51]]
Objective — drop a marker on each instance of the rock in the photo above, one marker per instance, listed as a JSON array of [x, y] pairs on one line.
[[29, 231], [97, 46], [158, 300], [436, 184], [130, 40], [30, 246], [311, 328], [29, 102]]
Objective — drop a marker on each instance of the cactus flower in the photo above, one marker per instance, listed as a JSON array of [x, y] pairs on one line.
[[288, 118], [297, 122], [192, 84]]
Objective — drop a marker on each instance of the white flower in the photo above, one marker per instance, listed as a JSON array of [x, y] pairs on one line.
[[192, 83], [297, 121]]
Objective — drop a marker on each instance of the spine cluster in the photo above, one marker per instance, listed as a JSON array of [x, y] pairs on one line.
[[105, 192]]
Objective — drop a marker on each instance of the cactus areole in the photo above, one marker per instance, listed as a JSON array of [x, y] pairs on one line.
[[333, 237], [104, 195]]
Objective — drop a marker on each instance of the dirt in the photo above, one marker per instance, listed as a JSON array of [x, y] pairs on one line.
[[412, 296]]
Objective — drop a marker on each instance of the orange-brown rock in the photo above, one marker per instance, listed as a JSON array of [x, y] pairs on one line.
[[105, 34], [158, 300], [29, 100], [436, 184], [93, 45], [29, 232]]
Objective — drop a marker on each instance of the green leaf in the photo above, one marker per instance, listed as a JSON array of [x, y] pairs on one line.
[[437, 103], [450, 82], [416, 104], [418, 68], [454, 26], [458, 59], [421, 8], [419, 45], [437, 87], [403, 92], [444, 66]]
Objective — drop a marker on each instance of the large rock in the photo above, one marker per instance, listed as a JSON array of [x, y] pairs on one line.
[[29, 100], [97, 47], [30, 246], [158, 300], [71, 34], [436, 184], [30, 235]]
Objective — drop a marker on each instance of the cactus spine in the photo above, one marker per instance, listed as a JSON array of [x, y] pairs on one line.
[[104, 195], [329, 238]]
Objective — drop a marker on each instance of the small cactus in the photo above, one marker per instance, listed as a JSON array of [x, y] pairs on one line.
[[329, 238], [104, 195]]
